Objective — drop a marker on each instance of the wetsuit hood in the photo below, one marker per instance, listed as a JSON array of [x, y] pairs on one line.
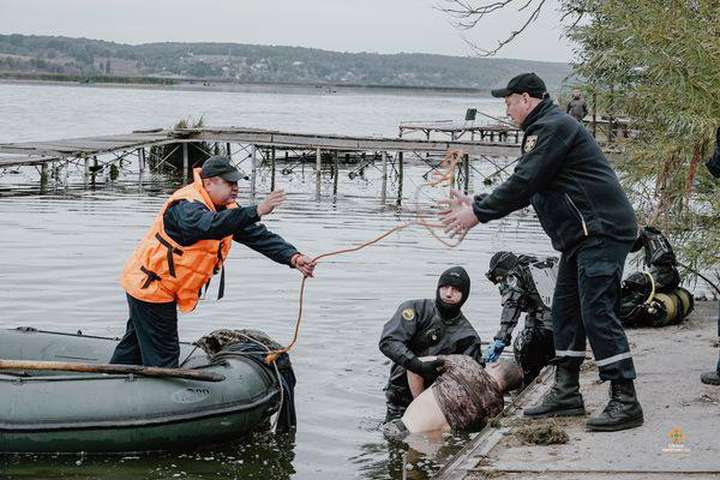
[[500, 265], [455, 277]]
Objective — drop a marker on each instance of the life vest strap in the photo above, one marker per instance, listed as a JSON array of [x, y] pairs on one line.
[[170, 251], [151, 277]]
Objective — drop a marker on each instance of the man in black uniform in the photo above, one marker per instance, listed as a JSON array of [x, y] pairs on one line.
[[424, 328], [582, 207], [654, 297], [533, 347]]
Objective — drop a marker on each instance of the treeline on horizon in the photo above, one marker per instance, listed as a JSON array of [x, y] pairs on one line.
[[48, 56]]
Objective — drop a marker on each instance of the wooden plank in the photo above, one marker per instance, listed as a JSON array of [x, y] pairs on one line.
[[25, 160], [189, 374], [264, 138]]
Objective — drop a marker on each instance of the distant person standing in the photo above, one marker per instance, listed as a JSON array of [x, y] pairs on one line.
[[577, 108]]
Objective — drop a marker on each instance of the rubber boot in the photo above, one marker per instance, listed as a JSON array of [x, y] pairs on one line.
[[622, 411], [563, 399], [710, 378]]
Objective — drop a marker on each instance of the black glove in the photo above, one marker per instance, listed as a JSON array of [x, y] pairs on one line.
[[429, 370]]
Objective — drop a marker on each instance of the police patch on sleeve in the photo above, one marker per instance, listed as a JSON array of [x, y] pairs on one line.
[[408, 314], [530, 143]]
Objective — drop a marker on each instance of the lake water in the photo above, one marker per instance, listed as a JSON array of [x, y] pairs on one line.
[[63, 252]]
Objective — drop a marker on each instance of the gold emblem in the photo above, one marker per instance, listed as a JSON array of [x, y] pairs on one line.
[[530, 142], [408, 314]]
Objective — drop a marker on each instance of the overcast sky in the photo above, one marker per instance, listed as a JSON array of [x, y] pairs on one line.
[[383, 26]]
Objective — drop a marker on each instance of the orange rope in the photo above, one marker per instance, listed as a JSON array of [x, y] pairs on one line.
[[445, 178]]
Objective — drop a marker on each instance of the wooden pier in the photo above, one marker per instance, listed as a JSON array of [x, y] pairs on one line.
[[456, 130], [500, 130], [256, 147]]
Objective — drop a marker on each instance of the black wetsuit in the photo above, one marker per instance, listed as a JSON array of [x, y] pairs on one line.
[[661, 276], [418, 329], [533, 347]]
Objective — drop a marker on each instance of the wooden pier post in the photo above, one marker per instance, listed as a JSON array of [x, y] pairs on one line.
[[141, 165], [336, 172], [466, 173], [93, 174], [67, 173], [401, 169], [253, 173], [86, 171], [383, 193], [318, 167], [186, 162], [228, 151], [43, 177], [272, 169]]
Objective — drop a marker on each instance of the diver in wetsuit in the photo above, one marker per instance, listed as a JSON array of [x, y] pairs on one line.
[[424, 328], [516, 279]]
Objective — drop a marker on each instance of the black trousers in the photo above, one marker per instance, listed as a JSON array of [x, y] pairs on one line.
[[151, 336], [397, 393], [586, 305]]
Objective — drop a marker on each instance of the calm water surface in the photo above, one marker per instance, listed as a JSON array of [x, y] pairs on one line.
[[63, 252]]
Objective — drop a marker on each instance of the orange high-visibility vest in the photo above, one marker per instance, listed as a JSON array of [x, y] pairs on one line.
[[160, 270]]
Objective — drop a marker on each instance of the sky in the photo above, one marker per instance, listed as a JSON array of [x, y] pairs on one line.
[[381, 26]]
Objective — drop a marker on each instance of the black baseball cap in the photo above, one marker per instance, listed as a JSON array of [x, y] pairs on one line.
[[524, 83], [219, 166]]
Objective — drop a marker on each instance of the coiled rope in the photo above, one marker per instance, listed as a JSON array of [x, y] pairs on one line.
[[446, 177]]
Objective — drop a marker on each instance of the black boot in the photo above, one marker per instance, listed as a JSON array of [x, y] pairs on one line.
[[563, 399], [622, 411], [710, 378]]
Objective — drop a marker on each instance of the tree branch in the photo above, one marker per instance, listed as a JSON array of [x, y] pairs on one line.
[[468, 15]]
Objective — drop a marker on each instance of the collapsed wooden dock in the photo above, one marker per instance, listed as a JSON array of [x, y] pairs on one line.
[[258, 147]]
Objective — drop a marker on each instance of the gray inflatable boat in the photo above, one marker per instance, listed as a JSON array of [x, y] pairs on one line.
[[43, 411]]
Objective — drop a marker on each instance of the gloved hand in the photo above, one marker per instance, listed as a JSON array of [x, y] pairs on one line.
[[429, 369], [493, 351]]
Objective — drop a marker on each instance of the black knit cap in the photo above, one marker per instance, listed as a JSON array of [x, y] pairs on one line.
[[454, 277], [219, 166], [524, 83]]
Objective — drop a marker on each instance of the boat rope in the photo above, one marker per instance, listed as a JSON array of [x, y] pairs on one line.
[[445, 177]]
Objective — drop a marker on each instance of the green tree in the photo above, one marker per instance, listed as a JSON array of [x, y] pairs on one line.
[[655, 62], [660, 58]]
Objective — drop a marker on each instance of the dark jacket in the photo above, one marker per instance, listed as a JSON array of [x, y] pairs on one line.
[[188, 222], [567, 179], [418, 330]]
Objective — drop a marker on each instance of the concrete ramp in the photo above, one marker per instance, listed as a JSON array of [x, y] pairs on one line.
[[680, 438]]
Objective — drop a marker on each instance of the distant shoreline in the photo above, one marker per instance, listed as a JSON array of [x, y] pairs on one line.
[[221, 85]]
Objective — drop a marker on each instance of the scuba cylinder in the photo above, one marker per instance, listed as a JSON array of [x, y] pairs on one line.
[[669, 308], [661, 309]]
